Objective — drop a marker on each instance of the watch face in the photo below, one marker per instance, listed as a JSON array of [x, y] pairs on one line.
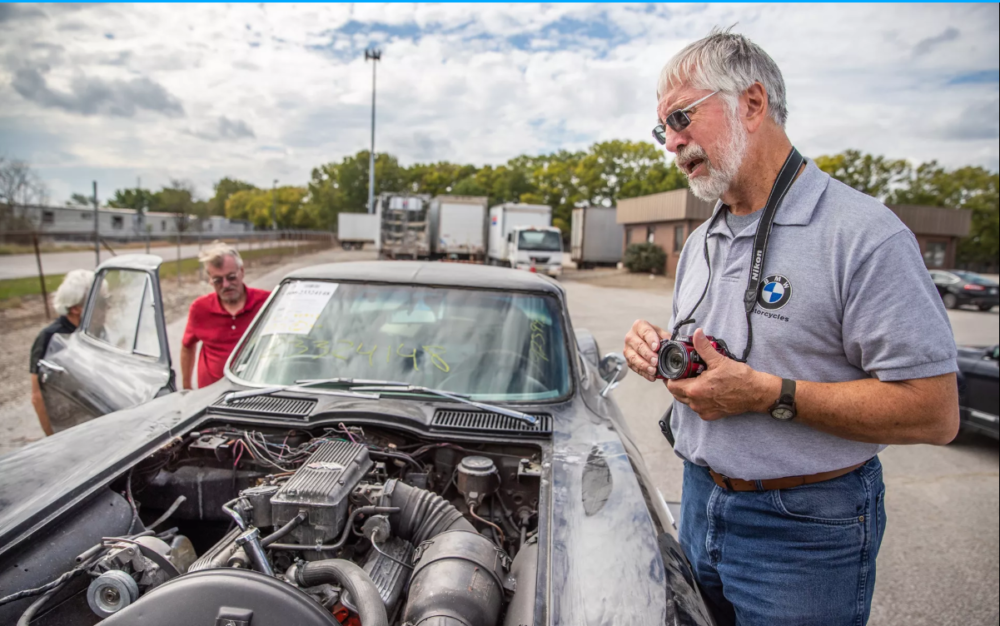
[[783, 413]]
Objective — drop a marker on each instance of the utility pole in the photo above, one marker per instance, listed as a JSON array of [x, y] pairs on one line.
[[375, 56], [97, 231], [274, 205]]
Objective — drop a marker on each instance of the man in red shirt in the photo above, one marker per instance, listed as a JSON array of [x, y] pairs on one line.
[[219, 319]]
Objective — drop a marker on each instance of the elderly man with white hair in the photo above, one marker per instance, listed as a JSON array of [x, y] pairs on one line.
[[68, 301], [834, 344], [218, 320]]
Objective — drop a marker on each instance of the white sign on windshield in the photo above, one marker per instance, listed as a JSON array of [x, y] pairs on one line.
[[299, 307]]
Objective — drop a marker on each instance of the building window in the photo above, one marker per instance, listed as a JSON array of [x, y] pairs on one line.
[[650, 234], [117, 222], [628, 236], [163, 224], [85, 215], [934, 253], [48, 217], [678, 239]]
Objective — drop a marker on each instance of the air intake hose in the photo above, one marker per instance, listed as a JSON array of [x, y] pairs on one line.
[[363, 591], [422, 514]]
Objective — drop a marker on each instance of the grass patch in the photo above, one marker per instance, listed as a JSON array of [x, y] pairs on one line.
[[29, 286]]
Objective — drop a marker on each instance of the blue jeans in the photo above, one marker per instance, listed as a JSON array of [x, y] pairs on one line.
[[796, 557]]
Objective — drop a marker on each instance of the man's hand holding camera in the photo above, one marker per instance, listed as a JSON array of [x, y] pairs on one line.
[[725, 387]]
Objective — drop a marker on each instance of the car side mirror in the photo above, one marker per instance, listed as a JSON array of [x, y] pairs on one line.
[[612, 369]]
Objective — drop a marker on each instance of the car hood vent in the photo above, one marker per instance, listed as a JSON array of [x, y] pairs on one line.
[[269, 405], [480, 421]]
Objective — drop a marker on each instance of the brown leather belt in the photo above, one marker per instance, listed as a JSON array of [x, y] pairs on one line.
[[775, 484]]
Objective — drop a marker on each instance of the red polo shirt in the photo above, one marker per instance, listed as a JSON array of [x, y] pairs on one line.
[[218, 331]]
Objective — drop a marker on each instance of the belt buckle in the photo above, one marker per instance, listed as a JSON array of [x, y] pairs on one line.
[[725, 481]]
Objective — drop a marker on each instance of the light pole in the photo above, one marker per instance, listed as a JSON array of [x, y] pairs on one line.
[[375, 56], [274, 205]]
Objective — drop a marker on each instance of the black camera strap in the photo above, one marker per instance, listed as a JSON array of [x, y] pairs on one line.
[[787, 175]]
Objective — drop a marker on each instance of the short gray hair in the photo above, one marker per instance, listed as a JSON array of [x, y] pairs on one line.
[[730, 63], [217, 251], [73, 290]]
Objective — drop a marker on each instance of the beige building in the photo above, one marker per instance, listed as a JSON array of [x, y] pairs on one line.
[[667, 219]]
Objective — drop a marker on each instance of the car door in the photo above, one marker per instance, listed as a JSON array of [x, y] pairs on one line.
[[983, 391], [119, 356]]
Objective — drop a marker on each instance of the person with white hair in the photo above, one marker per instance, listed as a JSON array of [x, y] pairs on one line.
[[834, 344], [68, 301], [217, 320]]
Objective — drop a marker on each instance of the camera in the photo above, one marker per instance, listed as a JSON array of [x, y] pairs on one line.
[[678, 359]]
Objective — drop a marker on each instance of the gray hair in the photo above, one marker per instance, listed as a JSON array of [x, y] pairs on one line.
[[728, 63], [73, 290], [217, 251]]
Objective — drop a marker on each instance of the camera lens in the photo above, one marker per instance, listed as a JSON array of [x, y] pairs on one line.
[[673, 361]]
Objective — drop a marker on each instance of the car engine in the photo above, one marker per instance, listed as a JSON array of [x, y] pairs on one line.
[[348, 526]]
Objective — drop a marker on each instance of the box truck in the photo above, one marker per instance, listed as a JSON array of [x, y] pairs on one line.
[[458, 227], [404, 226], [595, 237], [522, 236], [354, 230]]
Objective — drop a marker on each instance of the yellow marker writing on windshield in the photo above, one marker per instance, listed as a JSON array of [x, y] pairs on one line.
[[411, 355], [368, 354], [436, 358]]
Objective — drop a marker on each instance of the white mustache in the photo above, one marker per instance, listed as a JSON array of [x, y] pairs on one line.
[[689, 153]]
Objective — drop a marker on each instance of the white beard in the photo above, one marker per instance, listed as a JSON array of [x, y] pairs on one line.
[[710, 188]]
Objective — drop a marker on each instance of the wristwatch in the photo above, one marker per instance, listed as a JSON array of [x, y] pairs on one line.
[[784, 409]]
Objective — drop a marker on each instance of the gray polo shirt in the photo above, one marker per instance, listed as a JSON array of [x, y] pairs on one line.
[[846, 296]]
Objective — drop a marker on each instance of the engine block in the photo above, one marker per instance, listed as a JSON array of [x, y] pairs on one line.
[[321, 488]]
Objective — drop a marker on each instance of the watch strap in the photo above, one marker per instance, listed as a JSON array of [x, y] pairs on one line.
[[786, 399]]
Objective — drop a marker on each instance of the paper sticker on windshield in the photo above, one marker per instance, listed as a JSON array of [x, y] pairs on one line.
[[298, 308]]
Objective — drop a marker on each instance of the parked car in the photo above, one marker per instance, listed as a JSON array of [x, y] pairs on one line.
[[391, 442], [959, 288], [979, 389]]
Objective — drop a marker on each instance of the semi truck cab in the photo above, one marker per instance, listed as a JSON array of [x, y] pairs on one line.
[[536, 249]]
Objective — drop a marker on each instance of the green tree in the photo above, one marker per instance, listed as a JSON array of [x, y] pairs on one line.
[[291, 210], [78, 199], [972, 188], [874, 175], [436, 178], [897, 182], [223, 189], [137, 199], [339, 187]]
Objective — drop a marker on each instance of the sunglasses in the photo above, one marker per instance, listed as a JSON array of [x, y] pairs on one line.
[[217, 280], [678, 121]]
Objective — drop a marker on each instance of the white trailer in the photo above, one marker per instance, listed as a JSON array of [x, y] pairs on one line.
[[595, 237], [354, 230], [458, 227], [522, 236]]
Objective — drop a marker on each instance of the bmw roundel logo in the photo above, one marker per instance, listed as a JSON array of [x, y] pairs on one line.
[[774, 292]]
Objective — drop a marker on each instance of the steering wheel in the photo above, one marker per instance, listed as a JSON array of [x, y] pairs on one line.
[[523, 367]]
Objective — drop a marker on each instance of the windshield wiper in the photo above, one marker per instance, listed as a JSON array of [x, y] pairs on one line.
[[464, 399], [371, 389], [301, 384]]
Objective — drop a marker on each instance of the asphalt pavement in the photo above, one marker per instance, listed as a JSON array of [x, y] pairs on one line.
[[22, 265], [940, 559]]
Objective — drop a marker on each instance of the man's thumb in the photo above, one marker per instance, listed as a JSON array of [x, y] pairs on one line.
[[708, 353]]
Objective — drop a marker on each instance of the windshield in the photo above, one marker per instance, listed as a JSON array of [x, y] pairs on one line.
[[490, 345], [975, 279], [540, 240]]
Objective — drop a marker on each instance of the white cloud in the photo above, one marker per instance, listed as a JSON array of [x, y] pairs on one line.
[[269, 91]]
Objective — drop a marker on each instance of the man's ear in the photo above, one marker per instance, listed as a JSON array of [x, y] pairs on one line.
[[755, 99]]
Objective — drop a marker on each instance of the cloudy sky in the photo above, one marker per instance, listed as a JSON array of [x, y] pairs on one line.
[[262, 92]]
